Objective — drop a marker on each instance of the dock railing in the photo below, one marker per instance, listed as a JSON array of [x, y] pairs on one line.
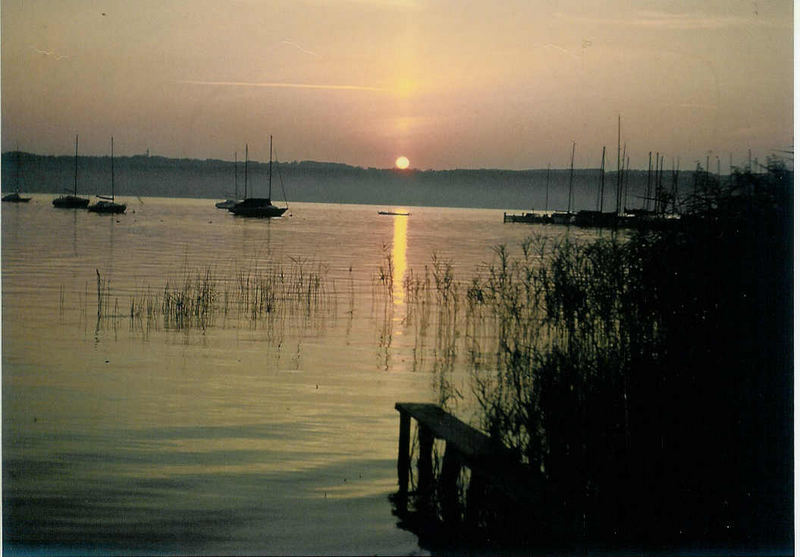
[[496, 478]]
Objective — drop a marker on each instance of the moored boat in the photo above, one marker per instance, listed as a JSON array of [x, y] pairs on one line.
[[72, 201], [562, 217], [596, 219], [229, 203], [568, 217], [107, 204], [257, 207], [528, 218], [260, 207], [15, 197]]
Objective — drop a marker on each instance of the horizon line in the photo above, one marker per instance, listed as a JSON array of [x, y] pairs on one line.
[[387, 168]]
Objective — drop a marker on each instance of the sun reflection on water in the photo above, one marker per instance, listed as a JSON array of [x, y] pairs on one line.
[[399, 245]]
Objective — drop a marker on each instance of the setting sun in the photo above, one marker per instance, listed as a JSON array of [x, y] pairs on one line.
[[401, 162]]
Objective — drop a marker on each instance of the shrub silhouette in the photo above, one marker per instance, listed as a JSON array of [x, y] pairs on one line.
[[650, 380]]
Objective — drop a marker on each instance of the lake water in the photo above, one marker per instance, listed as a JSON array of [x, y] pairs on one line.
[[242, 431]]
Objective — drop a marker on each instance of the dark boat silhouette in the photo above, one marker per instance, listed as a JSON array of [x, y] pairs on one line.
[[107, 203], [260, 207], [15, 197], [72, 201], [229, 203]]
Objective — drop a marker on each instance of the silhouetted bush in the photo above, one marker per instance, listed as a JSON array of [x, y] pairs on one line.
[[650, 379]]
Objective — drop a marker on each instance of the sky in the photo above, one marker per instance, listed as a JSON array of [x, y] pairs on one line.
[[446, 83]]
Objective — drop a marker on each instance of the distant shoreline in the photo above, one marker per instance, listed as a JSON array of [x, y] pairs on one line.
[[157, 176], [159, 159]]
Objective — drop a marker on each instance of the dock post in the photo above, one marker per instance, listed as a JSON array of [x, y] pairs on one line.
[[403, 458], [448, 482], [425, 462], [475, 498]]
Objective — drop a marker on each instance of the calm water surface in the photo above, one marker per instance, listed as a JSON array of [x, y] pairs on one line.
[[271, 435]]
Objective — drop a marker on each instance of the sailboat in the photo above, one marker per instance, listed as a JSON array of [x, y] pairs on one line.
[[228, 203], [533, 217], [106, 203], [560, 217], [72, 201], [259, 206], [15, 197], [597, 218]]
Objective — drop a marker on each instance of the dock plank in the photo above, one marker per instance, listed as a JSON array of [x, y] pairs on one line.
[[469, 441], [492, 461]]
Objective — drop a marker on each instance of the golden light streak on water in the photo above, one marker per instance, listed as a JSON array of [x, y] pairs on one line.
[[399, 245]]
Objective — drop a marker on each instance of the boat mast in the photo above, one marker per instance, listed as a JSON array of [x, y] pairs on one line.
[[112, 169], [571, 166], [619, 176], [245, 170], [547, 189], [730, 170], [76, 165], [235, 176], [656, 183], [646, 204], [675, 186], [659, 191], [622, 187], [663, 208], [269, 197], [602, 177], [626, 173]]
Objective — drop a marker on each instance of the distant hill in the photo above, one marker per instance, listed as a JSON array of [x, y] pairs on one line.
[[324, 182]]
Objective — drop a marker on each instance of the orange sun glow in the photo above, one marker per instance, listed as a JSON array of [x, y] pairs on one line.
[[401, 162]]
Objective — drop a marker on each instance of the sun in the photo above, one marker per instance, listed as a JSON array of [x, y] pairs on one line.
[[401, 162]]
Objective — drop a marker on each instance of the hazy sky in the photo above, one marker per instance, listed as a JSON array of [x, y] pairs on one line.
[[449, 84]]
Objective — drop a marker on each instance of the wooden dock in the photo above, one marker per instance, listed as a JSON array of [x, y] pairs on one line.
[[492, 466]]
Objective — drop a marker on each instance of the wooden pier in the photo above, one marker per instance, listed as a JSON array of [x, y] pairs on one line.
[[529, 218], [492, 467]]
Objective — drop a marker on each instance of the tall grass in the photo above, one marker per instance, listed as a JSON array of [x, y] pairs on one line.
[[199, 298], [646, 381]]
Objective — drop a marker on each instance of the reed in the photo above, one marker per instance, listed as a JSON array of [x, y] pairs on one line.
[[644, 380], [190, 303], [197, 298], [104, 297], [385, 276], [417, 288]]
